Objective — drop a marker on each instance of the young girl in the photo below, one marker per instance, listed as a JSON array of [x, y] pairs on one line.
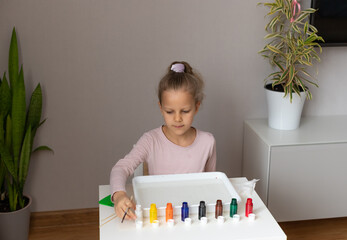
[[173, 148]]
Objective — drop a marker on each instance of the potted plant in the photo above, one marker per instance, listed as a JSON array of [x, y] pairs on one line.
[[292, 46], [18, 127]]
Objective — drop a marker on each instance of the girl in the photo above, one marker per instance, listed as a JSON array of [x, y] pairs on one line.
[[175, 147]]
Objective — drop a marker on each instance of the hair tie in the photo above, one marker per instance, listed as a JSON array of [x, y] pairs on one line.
[[178, 67]]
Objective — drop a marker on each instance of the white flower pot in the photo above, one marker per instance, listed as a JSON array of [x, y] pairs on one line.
[[15, 225], [283, 114]]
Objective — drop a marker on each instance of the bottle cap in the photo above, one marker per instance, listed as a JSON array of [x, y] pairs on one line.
[[249, 200], [202, 204], [236, 218], [220, 219], [219, 202], [203, 220], [184, 204], [251, 217], [155, 223], [169, 205], [170, 222], [233, 201], [139, 224], [187, 221]]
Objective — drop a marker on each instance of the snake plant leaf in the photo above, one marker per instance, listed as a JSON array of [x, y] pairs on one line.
[[2, 174], [5, 97], [13, 60], [35, 108], [24, 158], [43, 148], [8, 160], [18, 116]]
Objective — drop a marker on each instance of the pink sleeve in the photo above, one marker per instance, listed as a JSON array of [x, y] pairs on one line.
[[126, 166], [211, 162]]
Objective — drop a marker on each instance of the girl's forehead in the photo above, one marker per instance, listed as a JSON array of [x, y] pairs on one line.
[[177, 97]]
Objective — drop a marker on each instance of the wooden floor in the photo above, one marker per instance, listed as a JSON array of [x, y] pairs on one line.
[[84, 224]]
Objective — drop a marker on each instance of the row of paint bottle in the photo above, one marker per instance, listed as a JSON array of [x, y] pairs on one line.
[[201, 211]]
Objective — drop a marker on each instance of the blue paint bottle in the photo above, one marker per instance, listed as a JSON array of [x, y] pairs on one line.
[[184, 211]]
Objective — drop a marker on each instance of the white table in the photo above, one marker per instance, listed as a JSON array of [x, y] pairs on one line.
[[264, 226]]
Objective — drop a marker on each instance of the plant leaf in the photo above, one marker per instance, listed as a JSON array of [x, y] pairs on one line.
[[18, 117], [43, 148], [13, 60], [24, 158], [5, 97]]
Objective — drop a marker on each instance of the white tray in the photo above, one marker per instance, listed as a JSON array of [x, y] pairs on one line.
[[178, 188]]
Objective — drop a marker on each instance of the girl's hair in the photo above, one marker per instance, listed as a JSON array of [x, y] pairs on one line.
[[180, 77]]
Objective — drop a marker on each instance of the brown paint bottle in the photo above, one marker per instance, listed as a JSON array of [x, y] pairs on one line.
[[219, 208]]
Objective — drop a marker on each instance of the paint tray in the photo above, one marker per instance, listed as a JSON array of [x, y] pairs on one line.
[[178, 188]]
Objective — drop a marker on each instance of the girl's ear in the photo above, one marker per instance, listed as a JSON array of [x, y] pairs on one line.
[[197, 106], [159, 105]]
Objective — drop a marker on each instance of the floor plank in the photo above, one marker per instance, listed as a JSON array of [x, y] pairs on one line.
[[327, 229]]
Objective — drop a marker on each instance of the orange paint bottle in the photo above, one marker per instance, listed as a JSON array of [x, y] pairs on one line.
[[169, 211]]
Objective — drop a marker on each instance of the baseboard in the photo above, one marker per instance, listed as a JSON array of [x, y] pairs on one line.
[[64, 218]]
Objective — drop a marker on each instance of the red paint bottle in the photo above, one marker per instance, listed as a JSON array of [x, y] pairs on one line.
[[249, 206]]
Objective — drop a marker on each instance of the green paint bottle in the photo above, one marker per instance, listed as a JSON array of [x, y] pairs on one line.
[[233, 207]]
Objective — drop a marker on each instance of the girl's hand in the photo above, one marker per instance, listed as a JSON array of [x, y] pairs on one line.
[[122, 203]]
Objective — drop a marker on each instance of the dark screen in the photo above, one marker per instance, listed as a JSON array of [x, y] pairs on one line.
[[331, 21]]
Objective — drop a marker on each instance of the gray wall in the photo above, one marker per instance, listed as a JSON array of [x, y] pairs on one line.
[[99, 62]]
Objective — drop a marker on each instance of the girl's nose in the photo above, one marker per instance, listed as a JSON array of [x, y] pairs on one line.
[[178, 117]]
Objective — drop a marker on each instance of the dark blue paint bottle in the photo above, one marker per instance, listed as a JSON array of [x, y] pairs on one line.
[[184, 211]]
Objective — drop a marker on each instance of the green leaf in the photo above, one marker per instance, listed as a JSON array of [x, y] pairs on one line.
[[24, 158], [278, 65], [35, 108], [43, 148], [273, 49], [8, 160], [13, 60], [18, 116], [5, 97]]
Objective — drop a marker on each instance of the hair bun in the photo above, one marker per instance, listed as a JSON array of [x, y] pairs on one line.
[[178, 67]]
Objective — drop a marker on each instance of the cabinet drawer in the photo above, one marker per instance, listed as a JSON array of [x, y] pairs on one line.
[[308, 181]]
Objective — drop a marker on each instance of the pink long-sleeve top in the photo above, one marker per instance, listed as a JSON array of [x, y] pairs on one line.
[[165, 157]]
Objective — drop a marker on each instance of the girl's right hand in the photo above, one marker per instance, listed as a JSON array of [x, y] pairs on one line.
[[121, 204]]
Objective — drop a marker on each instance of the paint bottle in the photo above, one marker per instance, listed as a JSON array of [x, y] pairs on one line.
[[169, 211], [249, 207], [138, 213], [219, 208], [153, 213], [233, 207], [202, 209], [184, 211]]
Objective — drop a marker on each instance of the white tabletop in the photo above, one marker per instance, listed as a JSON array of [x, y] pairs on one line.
[[264, 226], [312, 130]]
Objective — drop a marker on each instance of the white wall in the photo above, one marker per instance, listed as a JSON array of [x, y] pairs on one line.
[[99, 62]]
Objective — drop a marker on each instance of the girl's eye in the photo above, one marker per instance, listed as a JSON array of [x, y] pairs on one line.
[[168, 112], [186, 111]]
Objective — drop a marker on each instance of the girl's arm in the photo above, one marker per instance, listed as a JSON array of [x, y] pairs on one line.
[[211, 162], [122, 170]]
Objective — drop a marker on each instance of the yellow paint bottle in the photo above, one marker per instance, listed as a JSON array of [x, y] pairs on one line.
[[153, 213]]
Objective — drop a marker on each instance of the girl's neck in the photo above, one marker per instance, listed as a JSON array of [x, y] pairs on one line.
[[184, 141]]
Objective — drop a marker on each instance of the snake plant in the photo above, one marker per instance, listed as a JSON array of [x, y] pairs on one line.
[[18, 126], [292, 47]]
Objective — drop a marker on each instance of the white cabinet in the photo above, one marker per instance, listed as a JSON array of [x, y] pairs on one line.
[[302, 172]]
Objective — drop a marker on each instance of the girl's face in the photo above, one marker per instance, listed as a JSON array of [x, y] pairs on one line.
[[178, 108]]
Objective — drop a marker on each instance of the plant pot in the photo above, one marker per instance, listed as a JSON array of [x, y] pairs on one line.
[[15, 225], [283, 114]]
